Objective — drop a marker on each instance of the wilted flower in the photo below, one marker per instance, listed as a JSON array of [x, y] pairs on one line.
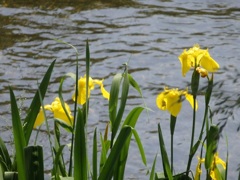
[[171, 100], [214, 169], [201, 57], [198, 168], [203, 72], [81, 99], [58, 113]]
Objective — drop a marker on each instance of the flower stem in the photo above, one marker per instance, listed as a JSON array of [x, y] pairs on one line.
[[172, 128], [192, 138]]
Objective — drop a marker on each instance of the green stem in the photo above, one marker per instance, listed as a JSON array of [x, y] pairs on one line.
[[172, 153], [192, 138], [74, 115], [172, 128]]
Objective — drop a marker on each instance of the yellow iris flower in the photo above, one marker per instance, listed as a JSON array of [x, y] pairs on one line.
[[91, 84], [213, 169], [171, 100], [188, 58], [58, 113]]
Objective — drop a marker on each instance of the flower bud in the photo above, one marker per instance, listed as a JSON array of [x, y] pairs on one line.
[[203, 72]]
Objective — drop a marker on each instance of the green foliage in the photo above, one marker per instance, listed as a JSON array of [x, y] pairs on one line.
[[18, 134], [109, 154], [36, 103], [34, 162], [165, 161], [28, 163], [212, 141]]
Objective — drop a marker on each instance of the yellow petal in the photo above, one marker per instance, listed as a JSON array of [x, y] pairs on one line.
[[81, 99], [175, 108], [185, 60], [198, 169], [208, 63], [40, 117], [59, 113], [169, 100], [161, 101], [189, 98], [104, 92], [218, 160]]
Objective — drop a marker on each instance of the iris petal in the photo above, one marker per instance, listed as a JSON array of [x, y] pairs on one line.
[[189, 98], [208, 63], [188, 58], [171, 100], [59, 113]]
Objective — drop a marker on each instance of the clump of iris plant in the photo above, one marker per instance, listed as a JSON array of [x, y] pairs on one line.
[[57, 109], [171, 100]]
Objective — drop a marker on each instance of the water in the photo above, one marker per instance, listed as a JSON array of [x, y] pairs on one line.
[[149, 34]]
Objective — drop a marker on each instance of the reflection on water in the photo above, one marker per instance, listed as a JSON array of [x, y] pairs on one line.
[[149, 34]]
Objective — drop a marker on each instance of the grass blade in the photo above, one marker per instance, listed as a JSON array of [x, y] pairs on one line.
[[107, 171], [113, 101], [19, 139], [94, 158], [80, 149], [117, 121], [140, 146], [105, 147], [131, 121], [152, 174], [165, 161], [5, 160]]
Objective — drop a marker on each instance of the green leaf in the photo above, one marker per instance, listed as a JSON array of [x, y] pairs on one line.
[[64, 125], [152, 174], [165, 161], [58, 163], [19, 139], [117, 121], [105, 147], [226, 171], [36, 103], [80, 149], [212, 141], [140, 146], [107, 171], [113, 101], [131, 121], [134, 84], [94, 158], [5, 160], [34, 162], [63, 103], [133, 116]]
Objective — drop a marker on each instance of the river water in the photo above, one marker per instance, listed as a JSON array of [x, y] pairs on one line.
[[150, 35]]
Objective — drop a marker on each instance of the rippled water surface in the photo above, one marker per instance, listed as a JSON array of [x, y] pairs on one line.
[[149, 34]]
